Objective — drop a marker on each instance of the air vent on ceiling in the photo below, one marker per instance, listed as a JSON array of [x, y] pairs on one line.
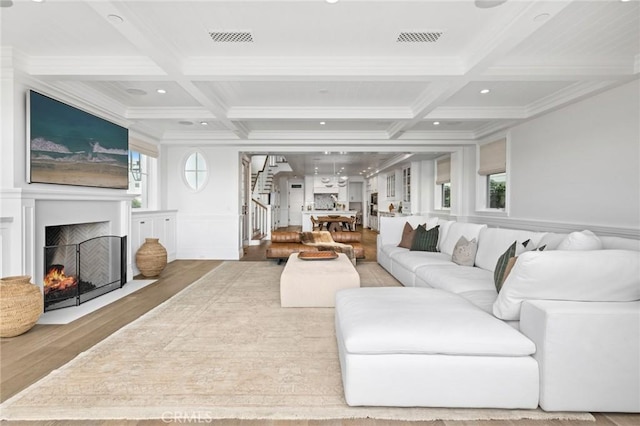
[[231, 36], [418, 36]]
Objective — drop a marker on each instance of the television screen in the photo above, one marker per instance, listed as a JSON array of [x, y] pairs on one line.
[[68, 146]]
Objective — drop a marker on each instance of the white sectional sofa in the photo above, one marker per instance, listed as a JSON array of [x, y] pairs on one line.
[[563, 333]]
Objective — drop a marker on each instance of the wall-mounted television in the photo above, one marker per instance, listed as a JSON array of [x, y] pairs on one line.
[[68, 146]]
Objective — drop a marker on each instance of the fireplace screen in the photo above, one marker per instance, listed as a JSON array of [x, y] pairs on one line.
[[75, 273]]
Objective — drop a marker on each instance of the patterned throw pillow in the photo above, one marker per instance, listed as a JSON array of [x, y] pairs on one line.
[[407, 236], [501, 266], [464, 253], [424, 240]]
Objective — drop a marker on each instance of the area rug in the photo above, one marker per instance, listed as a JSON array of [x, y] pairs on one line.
[[222, 348]]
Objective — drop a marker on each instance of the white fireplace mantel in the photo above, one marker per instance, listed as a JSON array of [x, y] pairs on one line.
[[29, 210]]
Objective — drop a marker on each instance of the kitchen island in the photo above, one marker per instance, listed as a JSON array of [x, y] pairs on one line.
[[306, 216]]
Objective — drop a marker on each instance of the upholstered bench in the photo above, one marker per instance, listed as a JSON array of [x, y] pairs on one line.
[[427, 347]]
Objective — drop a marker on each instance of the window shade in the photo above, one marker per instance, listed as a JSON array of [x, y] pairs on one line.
[[443, 171], [493, 158], [148, 149]]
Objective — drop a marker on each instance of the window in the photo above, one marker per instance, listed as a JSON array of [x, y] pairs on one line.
[[443, 180], [492, 168], [195, 171], [138, 179], [496, 190], [446, 195]]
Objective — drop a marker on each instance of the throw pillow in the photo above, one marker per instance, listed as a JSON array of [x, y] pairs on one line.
[[407, 236], [501, 265], [464, 253], [425, 240], [507, 270], [584, 240]]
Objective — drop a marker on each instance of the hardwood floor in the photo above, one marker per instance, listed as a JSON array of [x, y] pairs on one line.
[[27, 358]]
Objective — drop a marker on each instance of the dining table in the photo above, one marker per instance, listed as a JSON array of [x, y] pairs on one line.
[[336, 223]]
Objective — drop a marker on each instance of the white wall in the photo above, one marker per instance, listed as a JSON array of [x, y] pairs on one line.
[[209, 219], [580, 164]]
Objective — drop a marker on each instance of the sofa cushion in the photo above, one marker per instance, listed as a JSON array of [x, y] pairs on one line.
[[285, 237], [464, 253], [422, 321], [620, 243], [412, 260], [456, 279], [583, 240], [551, 240], [457, 230], [593, 275], [493, 242], [346, 237], [425, 240], [483, 299]]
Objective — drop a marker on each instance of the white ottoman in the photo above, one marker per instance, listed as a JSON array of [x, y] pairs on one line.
[[313, 283], [418, 347]]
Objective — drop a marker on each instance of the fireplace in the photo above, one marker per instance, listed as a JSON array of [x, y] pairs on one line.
[[81, 263]]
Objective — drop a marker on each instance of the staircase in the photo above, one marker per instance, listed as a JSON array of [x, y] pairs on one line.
[[262, 185]]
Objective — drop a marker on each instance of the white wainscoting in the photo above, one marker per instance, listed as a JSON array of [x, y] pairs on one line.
[[208, 236]]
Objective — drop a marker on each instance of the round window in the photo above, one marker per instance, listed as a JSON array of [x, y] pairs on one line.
[[195, 171]]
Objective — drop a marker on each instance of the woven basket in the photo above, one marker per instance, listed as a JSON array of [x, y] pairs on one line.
[[151, 258], [21, 305]]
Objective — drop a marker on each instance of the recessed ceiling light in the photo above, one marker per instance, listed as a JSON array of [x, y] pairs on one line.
[[485, 91], [322, 123], [161, 91], [204, 123], [331, 1], [38, 1], [326, 153], [136, 92], [115, 19], [436, 123]]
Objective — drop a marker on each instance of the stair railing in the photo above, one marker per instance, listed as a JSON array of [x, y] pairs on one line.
[[260, 220]]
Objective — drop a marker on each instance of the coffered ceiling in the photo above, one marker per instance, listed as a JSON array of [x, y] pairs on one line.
[[270, 73]]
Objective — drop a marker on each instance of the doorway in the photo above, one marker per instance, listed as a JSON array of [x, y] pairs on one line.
[[296, 203]]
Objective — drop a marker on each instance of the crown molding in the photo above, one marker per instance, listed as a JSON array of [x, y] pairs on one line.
[[197, 136], [261, 66], [477, 113], [318, 135], [493, 127], [319, 113], [92, 65], [447, 138], [157, 113], [572, 93]]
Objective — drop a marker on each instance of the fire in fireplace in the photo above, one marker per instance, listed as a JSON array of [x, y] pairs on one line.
[[56, 280]]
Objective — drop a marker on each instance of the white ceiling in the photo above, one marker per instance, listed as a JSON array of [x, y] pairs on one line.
[[311, 61]]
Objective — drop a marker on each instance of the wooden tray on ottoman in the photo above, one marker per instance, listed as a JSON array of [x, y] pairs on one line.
[[317, 255]]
